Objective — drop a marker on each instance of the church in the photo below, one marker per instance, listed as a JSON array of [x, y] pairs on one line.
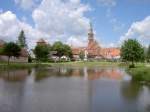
[[93, 51]]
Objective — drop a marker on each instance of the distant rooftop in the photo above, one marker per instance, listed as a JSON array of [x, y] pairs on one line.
[[41, 40]]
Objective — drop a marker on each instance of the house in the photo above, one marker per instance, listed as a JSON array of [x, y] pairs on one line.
[[22, 58]]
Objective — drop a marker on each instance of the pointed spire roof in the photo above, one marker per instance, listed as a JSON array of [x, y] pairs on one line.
[[91, 27]]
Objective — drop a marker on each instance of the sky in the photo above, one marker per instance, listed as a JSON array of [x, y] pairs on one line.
[[68, 21]]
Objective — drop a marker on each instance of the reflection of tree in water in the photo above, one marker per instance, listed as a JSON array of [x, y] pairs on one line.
[[91, 74], [29, 71], [148, 108], [57, 72], [14, 75], [41, 73], [131, 90], [69, 72]]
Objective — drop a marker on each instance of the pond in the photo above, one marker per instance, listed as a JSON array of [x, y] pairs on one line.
[[72, 89]]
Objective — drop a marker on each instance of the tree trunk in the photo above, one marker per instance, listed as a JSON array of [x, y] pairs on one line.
[[8, 59], [133, 64]]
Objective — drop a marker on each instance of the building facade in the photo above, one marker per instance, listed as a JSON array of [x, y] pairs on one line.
[[94, 51]]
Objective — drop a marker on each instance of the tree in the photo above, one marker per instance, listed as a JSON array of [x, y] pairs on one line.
[[148, 54], [81, 55], [67, 50], [132, 51], [11, 49], [58, 46], [22, 40], [62, 49], [1, 51], [41, 52]]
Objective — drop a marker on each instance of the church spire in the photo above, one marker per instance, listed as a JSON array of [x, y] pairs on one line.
[[90, 33], [91, 27]]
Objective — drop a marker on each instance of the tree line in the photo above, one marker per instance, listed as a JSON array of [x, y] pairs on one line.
[[44, 52]]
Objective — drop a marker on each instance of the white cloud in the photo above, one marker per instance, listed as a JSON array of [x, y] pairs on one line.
[[61, 17], [139, 29], [108, 3], [11, 26], [27, 4], [54, 20], [76, 42]]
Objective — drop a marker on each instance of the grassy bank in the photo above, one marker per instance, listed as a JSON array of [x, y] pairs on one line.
[[140, 73], [87, 64], [68, 64]]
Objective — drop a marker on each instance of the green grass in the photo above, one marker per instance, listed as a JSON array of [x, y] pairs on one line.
[[76, 64], [140, 73], [88, 64]]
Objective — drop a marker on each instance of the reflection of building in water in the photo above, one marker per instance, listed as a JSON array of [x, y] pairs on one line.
[[107, 74], [85, 73], [93, 74], [14, 75], [77, 72]]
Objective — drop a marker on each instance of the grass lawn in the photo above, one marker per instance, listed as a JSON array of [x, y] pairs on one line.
[[140, 73], [76, 64], [88, 64]]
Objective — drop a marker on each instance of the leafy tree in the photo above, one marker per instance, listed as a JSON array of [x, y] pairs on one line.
[[58, 46], [67, 50], [132, 51], [81, 55], [62, 49], [148, 54], [41, 52], [11, 49], [1, 50], [22, 39], [29, 59]]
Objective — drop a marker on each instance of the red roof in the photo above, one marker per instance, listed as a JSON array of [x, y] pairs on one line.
[[76, 51], [111, 51]]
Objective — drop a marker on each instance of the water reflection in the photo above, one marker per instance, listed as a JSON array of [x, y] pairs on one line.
[[14, 75], [92, 74], [71, 90], [131, 90], [42, 73]]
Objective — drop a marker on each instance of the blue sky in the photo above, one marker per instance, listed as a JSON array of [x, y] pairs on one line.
[[113, 20]]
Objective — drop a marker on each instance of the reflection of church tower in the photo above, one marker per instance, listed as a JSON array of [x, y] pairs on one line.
[[90, 34]]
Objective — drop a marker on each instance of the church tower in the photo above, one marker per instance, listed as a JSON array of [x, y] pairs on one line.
[[90, 34]]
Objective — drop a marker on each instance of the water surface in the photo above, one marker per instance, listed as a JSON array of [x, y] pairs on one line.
[[71, 90]]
